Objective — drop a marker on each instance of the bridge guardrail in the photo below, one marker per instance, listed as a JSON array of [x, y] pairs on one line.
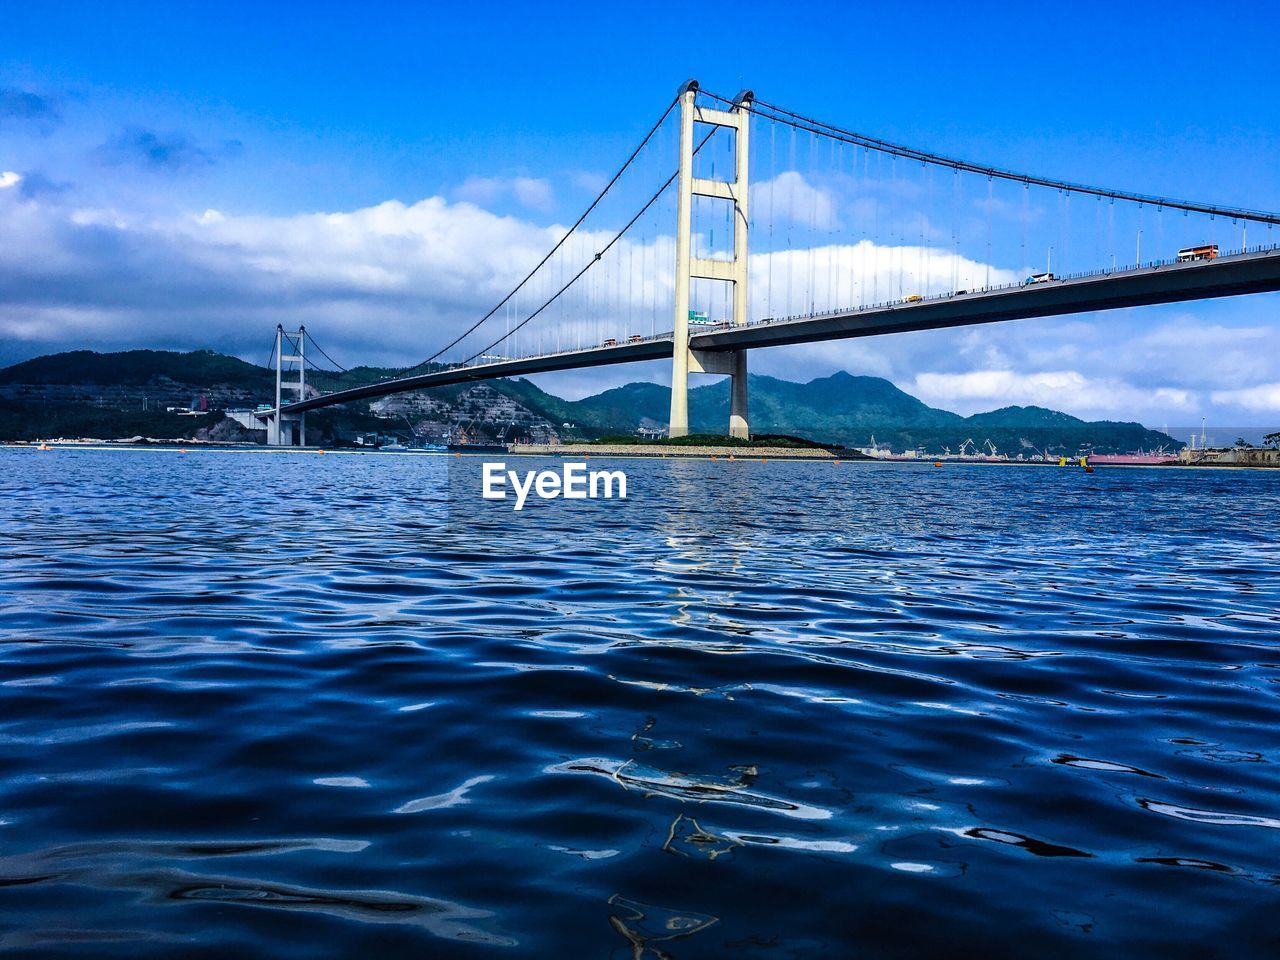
[[882, 305], [894, 304]]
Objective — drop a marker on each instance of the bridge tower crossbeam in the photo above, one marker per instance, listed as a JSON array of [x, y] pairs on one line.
[[689, 267], [289, 430]]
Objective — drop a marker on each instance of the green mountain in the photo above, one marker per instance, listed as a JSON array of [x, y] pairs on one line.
[[849, 410], [841, 408], [137, 368], [1028, 417], [83, 393]]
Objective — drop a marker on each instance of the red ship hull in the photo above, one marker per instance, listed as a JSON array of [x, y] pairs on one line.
[[1134, 459]]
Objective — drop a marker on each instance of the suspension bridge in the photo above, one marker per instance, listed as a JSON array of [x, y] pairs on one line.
[[845, 235]]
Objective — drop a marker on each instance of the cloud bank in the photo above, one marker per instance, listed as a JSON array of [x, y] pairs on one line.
[[389, 282]]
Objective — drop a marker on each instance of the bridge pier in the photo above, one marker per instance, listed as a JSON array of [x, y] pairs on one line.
[[286, 431], [738, 396], [688, 267], [731, 363]]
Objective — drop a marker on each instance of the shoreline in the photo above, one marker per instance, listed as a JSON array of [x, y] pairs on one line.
[[614, 451], [664, 451]]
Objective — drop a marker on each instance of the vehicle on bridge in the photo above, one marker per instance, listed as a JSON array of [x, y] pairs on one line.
[[1038, 278], [634, 338], [610, 343], [912, 298], [1206, 252]]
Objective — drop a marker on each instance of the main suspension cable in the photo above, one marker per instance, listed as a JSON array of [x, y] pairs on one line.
[[541, 263], [596, 259], [341, 368], [801, 122]]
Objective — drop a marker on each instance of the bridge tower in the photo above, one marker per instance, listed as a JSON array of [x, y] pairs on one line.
[[688, 266], [284, 430]]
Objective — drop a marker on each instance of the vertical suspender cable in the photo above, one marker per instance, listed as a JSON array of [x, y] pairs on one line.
[[1026, 221], [813, 223], [791, 219], [1138, 246], [922, 278], [1111, 231], [875, 274], [988, 233], [895, 238], [1062, 259], [773, 189]]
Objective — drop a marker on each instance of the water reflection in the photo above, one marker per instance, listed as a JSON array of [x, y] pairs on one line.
[[687, 839], [137, 866], [653, 782], [745, 692], [644, 924]]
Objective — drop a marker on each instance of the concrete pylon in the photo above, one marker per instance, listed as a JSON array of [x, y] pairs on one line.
[[689, 267], [284, 430]]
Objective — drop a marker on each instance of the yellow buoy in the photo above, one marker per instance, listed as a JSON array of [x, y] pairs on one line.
[[937, 463]]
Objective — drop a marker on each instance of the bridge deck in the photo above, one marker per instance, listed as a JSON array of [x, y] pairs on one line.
[[1256, 272]]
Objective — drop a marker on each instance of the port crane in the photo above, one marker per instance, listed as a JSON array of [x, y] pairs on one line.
[[459, 432]]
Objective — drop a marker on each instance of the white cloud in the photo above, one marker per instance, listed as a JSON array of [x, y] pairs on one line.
[[590, 181], [534, 193], [789, 196], [1264, 398], [389, 283], [1188, 334], [412, 273], [482, 190], [9, 178], [836, 276], [530, 192], [1067, 390]]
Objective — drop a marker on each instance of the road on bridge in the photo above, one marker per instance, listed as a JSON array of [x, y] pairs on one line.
[[1232, 275]]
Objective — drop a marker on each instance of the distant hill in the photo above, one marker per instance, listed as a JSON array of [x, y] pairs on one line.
[[1025, 417], [137, 368], [840, 407], [849, 410], [93, 394]]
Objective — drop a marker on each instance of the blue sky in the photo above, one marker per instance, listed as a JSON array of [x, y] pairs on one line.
[[122, 124]]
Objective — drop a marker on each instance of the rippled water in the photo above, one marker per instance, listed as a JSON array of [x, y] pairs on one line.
[[299, 706]]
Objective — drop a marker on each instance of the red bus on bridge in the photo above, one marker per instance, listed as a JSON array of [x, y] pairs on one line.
[[1207, 252]]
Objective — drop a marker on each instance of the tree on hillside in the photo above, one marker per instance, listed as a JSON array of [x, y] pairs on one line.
[[1243, 444], [1272, 439]]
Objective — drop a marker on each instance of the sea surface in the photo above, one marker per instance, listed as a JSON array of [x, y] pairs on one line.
[[290, 705]]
